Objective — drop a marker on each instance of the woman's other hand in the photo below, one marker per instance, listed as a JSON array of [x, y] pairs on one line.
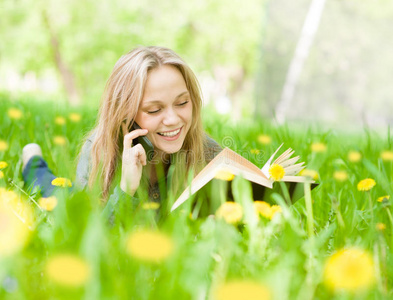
[[134, 158]]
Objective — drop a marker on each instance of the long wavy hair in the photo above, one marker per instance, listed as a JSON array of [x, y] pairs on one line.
[[121, 100]]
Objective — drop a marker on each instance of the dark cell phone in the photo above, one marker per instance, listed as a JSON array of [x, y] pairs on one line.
[[144, 141]]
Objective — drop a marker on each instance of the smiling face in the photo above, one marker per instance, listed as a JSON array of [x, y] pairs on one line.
[[166, 109]]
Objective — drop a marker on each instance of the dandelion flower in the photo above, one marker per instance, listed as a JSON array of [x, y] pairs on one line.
[[3, 165], [68, 270], [149, 246], [60, 120], [8, 196], [276, 209], [151, 205], [366, 184], [318, 147], [264, 139], [3, 145], [15, 113], [350, 270], [255, 151], [223, 174], [60, 140], [263, 208], [309, 173], [231, 212], [15, 218], [1, 174], [340, 175], [276, 172], [354, 156], [381, 199], [63, 182], [380, 226], [387, 155], [48, 203], [75, 117], [236, 289]]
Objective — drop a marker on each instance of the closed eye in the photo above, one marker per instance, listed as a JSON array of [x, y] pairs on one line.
[[153, 112], [184, 103]]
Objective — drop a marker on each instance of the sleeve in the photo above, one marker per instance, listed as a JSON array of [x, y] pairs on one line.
[[212, 148], [83, 168], [118, 200]]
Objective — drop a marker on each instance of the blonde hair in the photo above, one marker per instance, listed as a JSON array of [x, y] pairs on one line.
[[121, 100]]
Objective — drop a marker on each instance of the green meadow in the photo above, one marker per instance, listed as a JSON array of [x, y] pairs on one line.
[[335, 243]]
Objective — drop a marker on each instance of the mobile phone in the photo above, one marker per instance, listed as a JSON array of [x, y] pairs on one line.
[[144, 141]]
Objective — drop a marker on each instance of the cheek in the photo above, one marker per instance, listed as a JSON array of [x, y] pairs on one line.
[[144, 121]]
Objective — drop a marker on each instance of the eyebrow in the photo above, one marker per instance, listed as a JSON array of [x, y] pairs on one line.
[[159, 101]]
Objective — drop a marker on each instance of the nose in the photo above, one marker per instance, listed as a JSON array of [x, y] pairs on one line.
[[171, 117]]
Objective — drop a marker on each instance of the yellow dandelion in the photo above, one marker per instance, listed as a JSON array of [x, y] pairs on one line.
[[60, 140], [150, 246], [380, 226], [151, 206], [263, 208], [255, 151], [224, 174], [236, 289], [15, 219], [354, 156], [231, 212], [68, 270], [366, 184], [15, 113], [264, 139], [8, 196], [340, 175], [3, 145], [48, 203], [60, 120], [318, 147], [276, 209], [277, 172], [3, 165], [1, 174], [309, 173], [387, 155], [75, 117], [381, 199], [350, 270], [63, 182]]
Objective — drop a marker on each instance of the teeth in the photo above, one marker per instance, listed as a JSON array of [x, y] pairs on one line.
[[170, 134]]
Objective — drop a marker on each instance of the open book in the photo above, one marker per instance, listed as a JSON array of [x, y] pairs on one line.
[[231, 162]]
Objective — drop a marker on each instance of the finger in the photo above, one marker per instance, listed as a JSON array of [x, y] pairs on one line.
[[132, 135], [140, 153]]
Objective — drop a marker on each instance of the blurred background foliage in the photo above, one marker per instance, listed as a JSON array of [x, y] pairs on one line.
[[241, 52]]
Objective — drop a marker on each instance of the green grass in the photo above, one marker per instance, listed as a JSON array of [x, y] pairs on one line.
[[285, 254]]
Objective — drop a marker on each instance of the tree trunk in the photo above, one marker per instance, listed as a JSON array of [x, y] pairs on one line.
[[303, 46], [65, 74]]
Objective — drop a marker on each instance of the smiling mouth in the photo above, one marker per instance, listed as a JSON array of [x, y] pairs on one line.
[[170, 133]]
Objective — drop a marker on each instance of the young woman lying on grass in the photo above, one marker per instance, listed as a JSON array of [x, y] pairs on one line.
[[155, 88]]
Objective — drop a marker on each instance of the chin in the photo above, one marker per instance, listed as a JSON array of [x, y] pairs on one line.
[[171, 150]]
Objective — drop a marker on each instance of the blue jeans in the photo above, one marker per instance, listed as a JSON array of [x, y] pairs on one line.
[[38, 175]]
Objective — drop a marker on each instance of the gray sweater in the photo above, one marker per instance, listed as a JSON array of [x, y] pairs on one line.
[[212, 148]]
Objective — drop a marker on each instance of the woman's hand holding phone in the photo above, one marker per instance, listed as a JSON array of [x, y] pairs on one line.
[[134, 158]]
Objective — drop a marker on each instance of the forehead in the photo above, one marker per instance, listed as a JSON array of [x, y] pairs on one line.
[[164, 82]]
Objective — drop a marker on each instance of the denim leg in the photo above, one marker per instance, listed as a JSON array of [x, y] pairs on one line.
[[37, 174]]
